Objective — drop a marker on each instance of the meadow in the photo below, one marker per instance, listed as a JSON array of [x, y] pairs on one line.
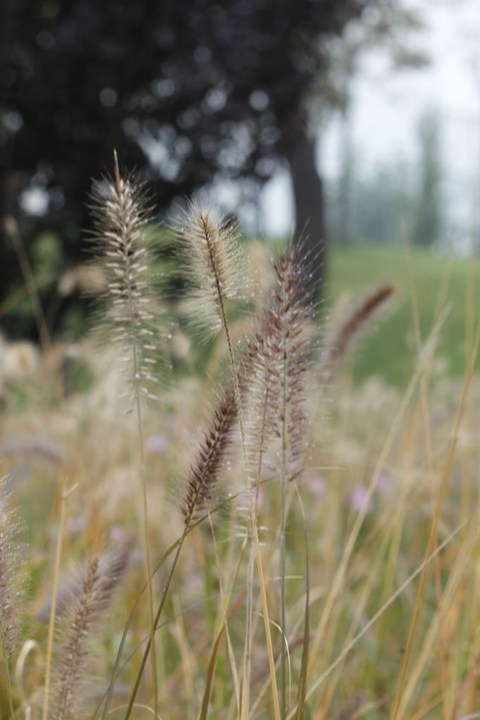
[[440, 280], [309, 518]]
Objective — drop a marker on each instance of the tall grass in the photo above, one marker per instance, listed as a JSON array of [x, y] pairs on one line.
[[310, 548]]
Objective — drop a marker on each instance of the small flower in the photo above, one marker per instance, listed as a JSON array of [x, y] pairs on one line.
[[384, 484], [76, 524], [157, 444], [358, 498], [317, 485]]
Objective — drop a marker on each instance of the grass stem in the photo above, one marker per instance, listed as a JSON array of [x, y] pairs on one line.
[[56, 575]]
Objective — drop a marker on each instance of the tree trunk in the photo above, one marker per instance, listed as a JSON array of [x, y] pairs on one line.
[[345, 194], [309, 211]]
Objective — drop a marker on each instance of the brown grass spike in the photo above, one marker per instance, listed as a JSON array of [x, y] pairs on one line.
[[100, 580], [350, 327]]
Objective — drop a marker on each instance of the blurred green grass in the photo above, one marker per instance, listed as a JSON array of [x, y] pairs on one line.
[[389, 350]]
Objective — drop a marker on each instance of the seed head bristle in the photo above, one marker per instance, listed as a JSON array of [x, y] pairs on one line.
[[209, 251], [292, 344], [219, 437], [258, 389], [101, 578], [204, 472], [350, 327], [276, 390], [121, 212], [74, 653]]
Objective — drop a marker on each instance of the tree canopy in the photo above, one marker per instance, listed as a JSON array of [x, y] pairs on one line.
[[185, 91]]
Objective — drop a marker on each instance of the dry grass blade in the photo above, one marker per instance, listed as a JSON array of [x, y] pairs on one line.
[[434, 527], [55, 597], [376, 616], [302, 683]]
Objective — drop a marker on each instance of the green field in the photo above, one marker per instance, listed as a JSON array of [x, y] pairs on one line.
[[439, 281]]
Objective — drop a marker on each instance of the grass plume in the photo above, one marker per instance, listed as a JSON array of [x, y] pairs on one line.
[[101, 577], [121, 213], [209, 250], [351, 327], [334, 585], [288, 346], [216, 441]]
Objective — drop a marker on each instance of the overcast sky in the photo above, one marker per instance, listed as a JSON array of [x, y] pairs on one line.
[[387, 107]]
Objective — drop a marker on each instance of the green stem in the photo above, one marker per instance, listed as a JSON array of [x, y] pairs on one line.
[[51, 626], [138, 404], [156, 621], [283, 513], [7, 673]]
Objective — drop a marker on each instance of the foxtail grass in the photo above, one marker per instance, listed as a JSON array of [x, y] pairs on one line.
[[101, 577], [348, 329], [121, 213], [323, 576], [215, 273]]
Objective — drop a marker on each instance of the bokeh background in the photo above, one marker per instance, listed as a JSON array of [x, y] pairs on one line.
[[347, 119], [357, 121]]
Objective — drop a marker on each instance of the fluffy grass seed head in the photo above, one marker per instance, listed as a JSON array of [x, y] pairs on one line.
[[209, 250], [222, 433], [101, 577], [121, 212], [211, 456], [275, 394], [349, 329]]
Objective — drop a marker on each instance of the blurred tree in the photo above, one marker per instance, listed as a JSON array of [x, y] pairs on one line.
[[388, 30], [429, 204], [378, 202], [189, 92]]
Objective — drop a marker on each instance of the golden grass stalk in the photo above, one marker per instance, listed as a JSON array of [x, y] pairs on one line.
[[318, 680], [339, 579], [53, 607], [396, 707]]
